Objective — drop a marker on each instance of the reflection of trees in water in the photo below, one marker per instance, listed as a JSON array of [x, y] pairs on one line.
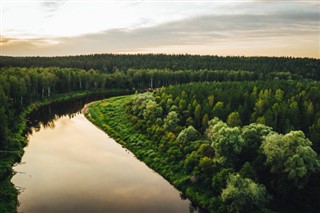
[[46, 116], [193, 207]]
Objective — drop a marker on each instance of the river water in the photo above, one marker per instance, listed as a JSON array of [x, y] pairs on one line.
[[70, 166]]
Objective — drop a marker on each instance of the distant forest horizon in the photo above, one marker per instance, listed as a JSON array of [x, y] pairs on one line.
[[151, 53], [109, 63]]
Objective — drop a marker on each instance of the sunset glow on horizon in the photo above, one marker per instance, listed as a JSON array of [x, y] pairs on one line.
[[248, 28]]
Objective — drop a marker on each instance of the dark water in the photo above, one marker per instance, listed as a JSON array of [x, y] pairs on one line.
[[70, 165]]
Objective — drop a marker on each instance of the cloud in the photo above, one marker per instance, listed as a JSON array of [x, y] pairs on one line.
[[208, 29], [52, 6], [290, 31]]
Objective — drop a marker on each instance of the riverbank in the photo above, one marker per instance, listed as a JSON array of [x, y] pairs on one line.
[[110, 116], [13, 153]]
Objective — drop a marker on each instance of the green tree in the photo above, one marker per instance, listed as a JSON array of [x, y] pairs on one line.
[[214, 126], [294, 114], [205, 121], [206, 150], [197, 114], [210, 101], [247, 171], [290, 155], [187, 135], [252, 135], [227, 143], [276, 111], [244, 195], [191, 161], [139, 103], [218, 110], [315, 134], [279, 95], [190, 121], [3, 127], [219, 180], [182, 105], [259, 107], [171, 121], [152, 111], [206, 165], [234, 119]]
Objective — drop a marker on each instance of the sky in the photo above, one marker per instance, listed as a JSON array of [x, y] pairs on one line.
[[216, 27]]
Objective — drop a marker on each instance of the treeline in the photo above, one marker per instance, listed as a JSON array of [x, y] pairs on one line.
[[21, 86], [230, 161], [109, 63]]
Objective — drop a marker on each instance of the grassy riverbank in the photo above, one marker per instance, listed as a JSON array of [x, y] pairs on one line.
[[13, 153], [110, 115]]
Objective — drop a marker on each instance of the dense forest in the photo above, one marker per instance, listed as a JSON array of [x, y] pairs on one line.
[[108, 63], [249, 98], [282, 105], [240, 143]]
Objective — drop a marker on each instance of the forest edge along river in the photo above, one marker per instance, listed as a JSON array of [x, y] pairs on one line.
[[70, 165]]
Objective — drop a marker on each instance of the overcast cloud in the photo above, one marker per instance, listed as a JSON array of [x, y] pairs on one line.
[[264, 28]]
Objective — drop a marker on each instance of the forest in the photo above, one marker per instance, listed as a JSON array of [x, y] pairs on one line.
[[109, 63], [223, 122], [249, 145]]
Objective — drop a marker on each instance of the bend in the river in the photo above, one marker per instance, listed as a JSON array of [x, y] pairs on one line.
[[70, 165]]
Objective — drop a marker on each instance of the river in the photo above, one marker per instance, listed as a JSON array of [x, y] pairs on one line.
[[70, 166]]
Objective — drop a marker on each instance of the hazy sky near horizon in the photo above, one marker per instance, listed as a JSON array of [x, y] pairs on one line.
[[225, 27]]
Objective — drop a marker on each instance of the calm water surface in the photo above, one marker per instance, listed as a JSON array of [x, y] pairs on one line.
[[72, 166]]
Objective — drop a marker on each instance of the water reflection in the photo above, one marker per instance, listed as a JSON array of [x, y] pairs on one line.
[[47, 115], [72, 166]]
